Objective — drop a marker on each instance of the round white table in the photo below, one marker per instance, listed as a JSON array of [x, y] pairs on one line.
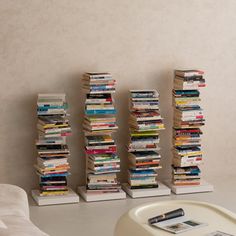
[[135, 221]]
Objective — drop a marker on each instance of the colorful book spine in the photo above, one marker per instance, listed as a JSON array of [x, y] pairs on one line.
[[102, 161], [143, 149], [188, 120], [53, 127]]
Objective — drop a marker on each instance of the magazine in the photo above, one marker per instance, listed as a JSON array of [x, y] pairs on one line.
[[179, 225], [175, 222]]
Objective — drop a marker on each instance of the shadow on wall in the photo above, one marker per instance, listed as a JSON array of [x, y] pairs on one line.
[[122, 136], [21, 131], [76, 100], [163, 83]]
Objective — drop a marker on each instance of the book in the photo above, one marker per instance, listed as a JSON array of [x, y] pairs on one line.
[[188, 73], [175, 222], [179, 225]]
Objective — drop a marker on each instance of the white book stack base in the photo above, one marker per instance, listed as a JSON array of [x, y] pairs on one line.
[[189, 118], [162, 190], [94, 197], [203, 187], [102, 160], [71, 197], [52, 164], [144, 159]]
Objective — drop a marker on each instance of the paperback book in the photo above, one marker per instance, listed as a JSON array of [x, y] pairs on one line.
[[175, 222]]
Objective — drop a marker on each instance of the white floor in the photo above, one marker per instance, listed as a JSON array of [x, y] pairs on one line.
[[99, 218]]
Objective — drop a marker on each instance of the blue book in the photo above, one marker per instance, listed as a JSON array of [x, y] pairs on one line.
[[46, 108], [54, 175], [142, 172], [100, 112]]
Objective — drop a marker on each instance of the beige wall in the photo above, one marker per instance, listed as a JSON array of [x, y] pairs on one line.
[[46, 45]]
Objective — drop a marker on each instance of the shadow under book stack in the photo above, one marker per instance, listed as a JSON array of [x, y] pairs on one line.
[[188, 120], [102, 161], [144, 158], [52, 162]]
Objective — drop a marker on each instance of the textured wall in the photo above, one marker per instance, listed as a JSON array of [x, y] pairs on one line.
[[46, 45]]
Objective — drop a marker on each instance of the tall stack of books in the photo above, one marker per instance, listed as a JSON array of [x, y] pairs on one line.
[[52, 162], [188, 120], [102, 161], [143, 150]]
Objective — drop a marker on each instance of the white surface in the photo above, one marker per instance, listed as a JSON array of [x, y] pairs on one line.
[[203, 187], [100, 217], [14, 213], [71, 197], [93, 197], [162, 190], [135, 221]]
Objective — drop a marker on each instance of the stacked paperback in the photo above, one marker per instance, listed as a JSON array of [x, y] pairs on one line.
[[102, 160], [188, 120], [53, 127], [145, 123]]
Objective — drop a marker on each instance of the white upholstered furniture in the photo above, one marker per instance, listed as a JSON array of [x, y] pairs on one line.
[[14, 213], [134, 222]]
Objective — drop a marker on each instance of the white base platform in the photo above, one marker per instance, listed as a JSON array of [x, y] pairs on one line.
[[203, 187], [162, 190], [71, 197], [94, 197]]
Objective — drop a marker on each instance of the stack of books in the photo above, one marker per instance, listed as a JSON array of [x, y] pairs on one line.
[[188, 120], [145, 123], [53, 127], [102, 160]]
